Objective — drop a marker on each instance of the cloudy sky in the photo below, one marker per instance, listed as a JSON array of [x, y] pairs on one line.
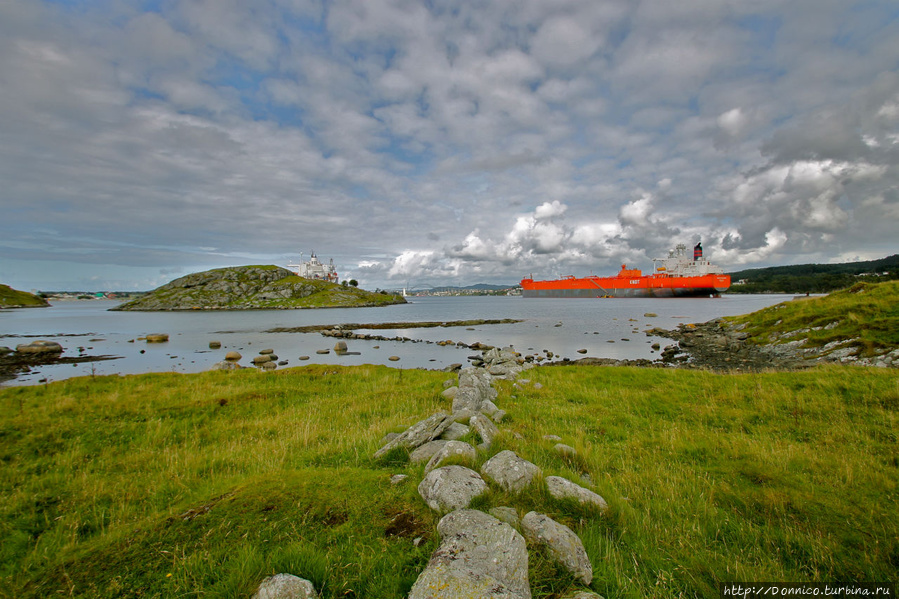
[[441, 141]]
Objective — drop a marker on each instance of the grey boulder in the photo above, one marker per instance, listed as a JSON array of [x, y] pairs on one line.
[[562, 488], [489, 408], [455, 431], [509, 471], [509, 515], [451, 488], [485, 428], [467, 398], [560, 541], [285, 586], [566, 451], [41, 346], [452, 449], [478, 378], [419, 433], [425, 452], [478, 556]]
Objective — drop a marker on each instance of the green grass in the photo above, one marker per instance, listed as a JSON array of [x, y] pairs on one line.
[[200, 485], [866, 315], [766, 477], [13, 297], [106, 481]]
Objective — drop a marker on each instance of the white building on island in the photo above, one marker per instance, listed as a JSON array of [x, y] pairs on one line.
[[314, 269]]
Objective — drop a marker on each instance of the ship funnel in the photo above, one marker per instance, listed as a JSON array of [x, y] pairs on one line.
[[697, 252]]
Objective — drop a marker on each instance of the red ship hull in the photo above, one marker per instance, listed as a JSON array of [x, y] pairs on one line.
[[628, 284]]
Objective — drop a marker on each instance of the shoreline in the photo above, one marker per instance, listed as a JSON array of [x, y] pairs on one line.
[[719, 344], [715, 345], [14, 364]]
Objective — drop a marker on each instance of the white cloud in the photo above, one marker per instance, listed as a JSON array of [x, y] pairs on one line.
[[636, 213], [548, 210], [732, 122], [564, 41]]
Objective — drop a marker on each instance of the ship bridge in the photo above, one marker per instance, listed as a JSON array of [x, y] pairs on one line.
[[679, 264]]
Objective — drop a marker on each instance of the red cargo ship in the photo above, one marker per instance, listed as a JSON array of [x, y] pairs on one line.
[[675, 276]]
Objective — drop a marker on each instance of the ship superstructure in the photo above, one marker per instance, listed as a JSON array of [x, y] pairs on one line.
[[679, 264], [674, 276]]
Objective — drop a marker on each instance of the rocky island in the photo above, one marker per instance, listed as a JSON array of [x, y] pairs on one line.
[[255, 288]]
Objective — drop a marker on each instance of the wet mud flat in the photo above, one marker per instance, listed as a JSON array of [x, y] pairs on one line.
[[391, 325]]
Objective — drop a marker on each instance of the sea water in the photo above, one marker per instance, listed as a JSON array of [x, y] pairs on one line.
[[605, 328]]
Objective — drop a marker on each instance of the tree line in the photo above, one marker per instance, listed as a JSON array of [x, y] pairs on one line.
[[813, 278]]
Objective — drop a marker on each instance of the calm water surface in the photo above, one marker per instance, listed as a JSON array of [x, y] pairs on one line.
[[606, 328]]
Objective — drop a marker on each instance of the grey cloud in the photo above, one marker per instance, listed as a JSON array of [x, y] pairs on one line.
[[411, 128], [563, 41], [492, 163], [824, 137], [240, 29]]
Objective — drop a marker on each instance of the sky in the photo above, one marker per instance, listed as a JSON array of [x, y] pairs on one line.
[[438, 142]]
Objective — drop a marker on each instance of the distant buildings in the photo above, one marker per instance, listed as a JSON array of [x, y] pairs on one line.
[[314, 269], [459, 291]]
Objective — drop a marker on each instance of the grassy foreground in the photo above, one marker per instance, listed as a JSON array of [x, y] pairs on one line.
[[174, 485]]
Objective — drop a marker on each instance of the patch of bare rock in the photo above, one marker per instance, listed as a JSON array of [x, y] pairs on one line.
[[561, 542], [510, 472], [451, 488], [479, 556], [562, 488], [285, 586], [723, 346], [39, 347], [418, 434], [451, 450], [717, 345]]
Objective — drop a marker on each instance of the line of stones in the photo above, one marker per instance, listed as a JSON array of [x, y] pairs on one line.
[[480, 554]]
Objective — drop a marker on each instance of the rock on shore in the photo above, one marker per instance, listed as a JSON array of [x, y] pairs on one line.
[[723, 346]]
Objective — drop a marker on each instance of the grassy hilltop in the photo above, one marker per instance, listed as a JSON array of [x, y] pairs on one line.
[[168, 485], [254, 288], [862, 320], [12, 298]]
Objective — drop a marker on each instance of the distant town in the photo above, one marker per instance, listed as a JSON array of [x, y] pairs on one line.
[[471, 290], [87, 295]]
